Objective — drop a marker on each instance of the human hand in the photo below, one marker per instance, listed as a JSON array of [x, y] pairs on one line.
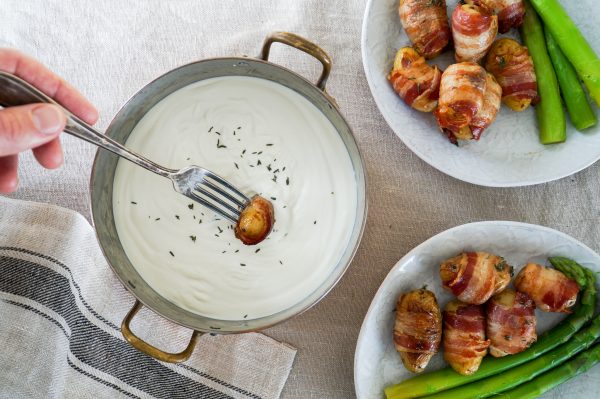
[[36, 126]]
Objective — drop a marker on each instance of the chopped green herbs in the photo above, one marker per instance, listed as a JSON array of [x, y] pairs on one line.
[[172, 254], [287, 181], [191, 206], [211, 128], [157, 219], [269, 144], [220, 229], [219, 145], [134, 203], [258, 249], [501, 62], [242, 264], [193, 238], [177, 217], [236, 165]]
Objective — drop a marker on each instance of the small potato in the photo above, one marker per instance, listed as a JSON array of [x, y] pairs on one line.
[[464, 336], [418, 328], [510, 323], [417, 83], [255, 222], [512, 67], [550, 289]]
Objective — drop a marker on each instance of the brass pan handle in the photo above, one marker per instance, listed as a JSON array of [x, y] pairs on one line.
[[150, 350], [301, 44]]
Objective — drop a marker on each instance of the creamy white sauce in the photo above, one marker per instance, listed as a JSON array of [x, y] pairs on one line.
[[216, 275]]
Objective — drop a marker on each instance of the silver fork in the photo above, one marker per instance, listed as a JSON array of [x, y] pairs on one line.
[[194, 182]]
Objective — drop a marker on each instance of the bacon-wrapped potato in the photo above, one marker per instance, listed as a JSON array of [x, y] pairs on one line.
[[512, 67], [418, 328], [551, 290], [510, 12], [426, 25], [473, 277], [416, 83], [491, 105], [462, 90], [474, 29], [510, 323], [464, 336]]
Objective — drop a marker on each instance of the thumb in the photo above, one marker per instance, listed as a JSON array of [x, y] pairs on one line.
[[29, 126]]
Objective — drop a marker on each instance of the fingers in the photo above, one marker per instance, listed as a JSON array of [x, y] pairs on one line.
[[27, 68], [8, 174], [49, 155], [29, 126]]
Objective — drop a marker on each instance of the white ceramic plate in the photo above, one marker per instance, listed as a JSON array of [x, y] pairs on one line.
[[509, 153], [376, 362]]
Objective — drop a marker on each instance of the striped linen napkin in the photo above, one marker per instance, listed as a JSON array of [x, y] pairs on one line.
[[60, 311]]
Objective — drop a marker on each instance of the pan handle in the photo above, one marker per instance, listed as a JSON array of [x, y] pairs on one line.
[[301, 44], [150, 350]]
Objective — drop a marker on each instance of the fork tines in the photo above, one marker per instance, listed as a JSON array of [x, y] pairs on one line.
[[220, 196]]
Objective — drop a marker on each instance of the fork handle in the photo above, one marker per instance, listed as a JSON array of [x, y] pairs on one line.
[[15, 91]]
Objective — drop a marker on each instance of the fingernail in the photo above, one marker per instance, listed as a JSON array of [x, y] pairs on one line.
[[47, 119]]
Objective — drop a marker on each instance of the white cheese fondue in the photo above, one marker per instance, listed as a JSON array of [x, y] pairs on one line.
[[264, 138]]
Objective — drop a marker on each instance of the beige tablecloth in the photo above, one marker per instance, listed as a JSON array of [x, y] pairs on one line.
[[111, 48]]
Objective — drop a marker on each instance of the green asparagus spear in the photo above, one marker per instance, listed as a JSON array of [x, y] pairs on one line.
[[580, 112], [572, 43], [572, 269], [526, 371], [551, 379], [549, 111], [446, 378]]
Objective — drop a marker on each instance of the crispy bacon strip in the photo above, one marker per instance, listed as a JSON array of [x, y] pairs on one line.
[[474, 29], [418, 328], [512, 67], [464, 336], [510, 12], [416, 83], [462, 90], [491, 105], [426, 25], [510, 323], [472, 276], [551, 290]]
